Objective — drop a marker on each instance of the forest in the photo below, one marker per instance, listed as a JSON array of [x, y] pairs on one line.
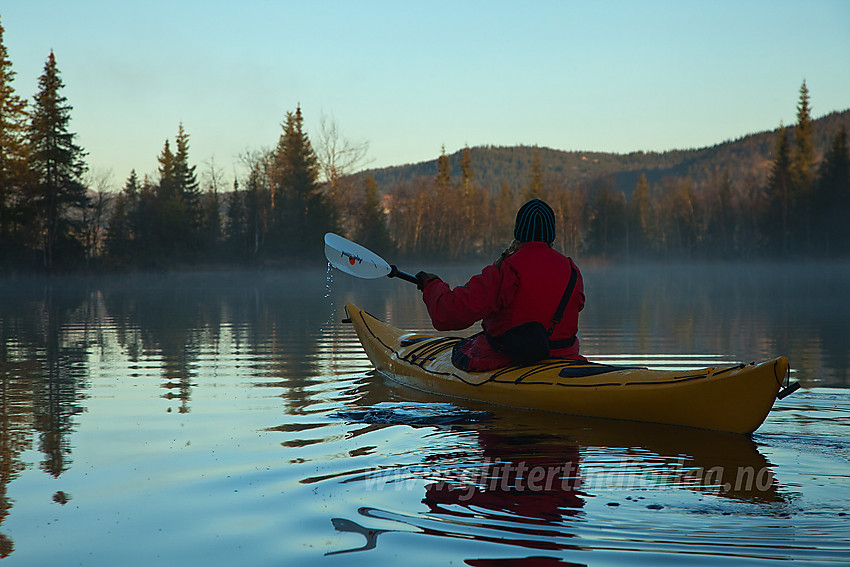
[[778, 194]]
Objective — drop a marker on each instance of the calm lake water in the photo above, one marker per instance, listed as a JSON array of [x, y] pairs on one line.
[[233, 419]]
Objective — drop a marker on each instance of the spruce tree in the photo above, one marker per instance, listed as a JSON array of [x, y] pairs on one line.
[[472, 206], [444, 170], [120, 233], [167, 188], [640, 209], [535, 182], [185, 177], [373, 230], [802, 167], [301, 213], [13, 154], [831, 197], [235, 229], [168, 237], [780, 193], [58, 163], [177, 222], [804, 150]]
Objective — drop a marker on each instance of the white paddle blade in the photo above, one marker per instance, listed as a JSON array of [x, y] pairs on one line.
[[353, 259]]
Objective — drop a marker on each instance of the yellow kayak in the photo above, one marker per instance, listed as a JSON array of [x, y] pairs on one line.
[[733, 398]]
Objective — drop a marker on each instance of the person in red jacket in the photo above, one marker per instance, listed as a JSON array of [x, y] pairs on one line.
[[527, 283]]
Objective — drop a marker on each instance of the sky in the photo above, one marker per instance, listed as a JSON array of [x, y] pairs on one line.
[[411, 78]]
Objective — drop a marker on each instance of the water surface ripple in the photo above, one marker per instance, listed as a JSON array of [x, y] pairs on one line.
[[221, 419]]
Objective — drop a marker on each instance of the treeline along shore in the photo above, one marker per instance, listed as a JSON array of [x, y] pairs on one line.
[[778, 194]]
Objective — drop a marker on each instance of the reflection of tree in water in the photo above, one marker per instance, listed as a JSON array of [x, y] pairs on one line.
[[153, 318], [775, 309], [180, 318], [45, 331], [15, 429]]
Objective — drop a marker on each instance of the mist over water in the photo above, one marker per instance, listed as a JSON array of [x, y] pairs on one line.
[[219, 418]]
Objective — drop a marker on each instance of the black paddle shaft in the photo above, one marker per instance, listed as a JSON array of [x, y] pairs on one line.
[[396, 273]]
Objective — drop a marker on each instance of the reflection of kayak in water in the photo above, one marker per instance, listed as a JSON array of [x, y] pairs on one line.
[[733, 398], [529, 472]]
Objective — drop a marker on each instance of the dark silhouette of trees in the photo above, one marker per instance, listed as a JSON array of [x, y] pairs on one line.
[[300, 212], [14, 162], [831, 197], [370, 226], [780, 195], [59, 165], [775, 193]]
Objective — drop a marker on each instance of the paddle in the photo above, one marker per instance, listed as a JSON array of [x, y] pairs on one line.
[[358, 261]]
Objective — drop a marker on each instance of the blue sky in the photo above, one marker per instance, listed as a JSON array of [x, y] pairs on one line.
[[410, 78]]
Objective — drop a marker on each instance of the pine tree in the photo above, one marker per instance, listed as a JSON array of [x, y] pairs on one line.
[[301, 213], [535, 182], [724, 213], [119, 234], [186, 181], [235, 233], [804, 150], [472, 207], [167, 188], [467, 174], [444, 170], [640, 208], [170, 235], [57, 161], [13, 155], [802, 167], [780, 195], [373, 231], [831, 197], [176, 225]]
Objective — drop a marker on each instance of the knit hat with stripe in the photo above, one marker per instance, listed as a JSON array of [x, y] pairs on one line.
[[535, 222]]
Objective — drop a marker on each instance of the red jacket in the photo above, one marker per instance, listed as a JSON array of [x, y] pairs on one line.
[[527, 286]]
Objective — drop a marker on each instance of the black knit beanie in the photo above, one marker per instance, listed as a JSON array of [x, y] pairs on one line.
[[535, 222]]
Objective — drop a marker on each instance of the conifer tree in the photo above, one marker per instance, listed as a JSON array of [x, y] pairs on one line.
[[444, 170], [185, 178], [804, 151], [13, 153], [169, 235], [167, 188], [57, 162], [472, 206], [235, 227], [535, 182], [119, 232], [832, 196], [640, 208], [441, 212], [176, 224], [802, 167], [373, 232], [780, 195], [467, 174], [724, 212], [301, 213]]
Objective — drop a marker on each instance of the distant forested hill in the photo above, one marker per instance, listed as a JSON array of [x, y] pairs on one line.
[[494, 166]]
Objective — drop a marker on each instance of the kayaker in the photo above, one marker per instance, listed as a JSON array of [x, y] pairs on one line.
[[516, 298]]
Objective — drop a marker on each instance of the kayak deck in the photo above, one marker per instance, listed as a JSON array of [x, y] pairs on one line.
[[735, 398]]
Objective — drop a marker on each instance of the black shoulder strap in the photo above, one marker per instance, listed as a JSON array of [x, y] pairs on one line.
[[568, 293]]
